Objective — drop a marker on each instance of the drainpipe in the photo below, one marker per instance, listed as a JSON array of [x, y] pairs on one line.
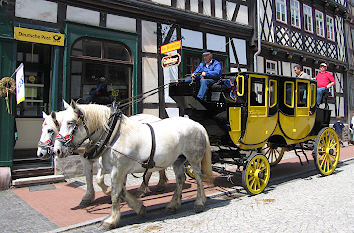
[[259, 37]]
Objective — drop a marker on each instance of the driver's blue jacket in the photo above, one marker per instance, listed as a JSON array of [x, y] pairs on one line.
[[213, 71]]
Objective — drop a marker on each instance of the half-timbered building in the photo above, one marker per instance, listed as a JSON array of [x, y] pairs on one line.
[[306, 33], [350, 36], [117, 40]]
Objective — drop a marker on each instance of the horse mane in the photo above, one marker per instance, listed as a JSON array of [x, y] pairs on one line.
[[96, 116]]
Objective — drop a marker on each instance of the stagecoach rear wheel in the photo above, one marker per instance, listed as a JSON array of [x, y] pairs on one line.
[[256, 174], [189, 170], [273, 153], [326, 151]]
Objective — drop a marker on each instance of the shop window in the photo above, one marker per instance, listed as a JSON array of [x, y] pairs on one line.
[[271, 67], [37, 71], [308, 20], [307, 70], [100, 71], [257, 92], [192, 59]]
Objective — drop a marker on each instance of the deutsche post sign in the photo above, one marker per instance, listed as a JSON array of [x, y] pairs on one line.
[[169, 61], [170, 47], [37, 36]]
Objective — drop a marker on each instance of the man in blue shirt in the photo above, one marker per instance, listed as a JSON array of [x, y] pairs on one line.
[[210, 70]]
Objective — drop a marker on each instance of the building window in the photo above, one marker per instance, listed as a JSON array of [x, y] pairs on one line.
[[271, 67], [36, 59], [295, 13], [317, 71], [281, 10], [308, 21], [307, 70], [319, 23], [330, 27], [100, 71]]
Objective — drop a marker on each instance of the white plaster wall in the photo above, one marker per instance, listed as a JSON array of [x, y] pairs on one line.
[[242, 16], [37, 9], [240, 46], [29, 132], [332, 108], [181, 4], [216, 42], [150, 78], [286, 68], [192, 39], [149, 39], [218, 9], [172, 112], [230, 9], [121, 23], [207, 7], [164, 2], [194, 6], [85, 16], [260, 64], [170, 75], [338, 79], [154, 112]]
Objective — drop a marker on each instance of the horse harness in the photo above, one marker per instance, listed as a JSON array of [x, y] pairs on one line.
[[47, 145], [94, 151]]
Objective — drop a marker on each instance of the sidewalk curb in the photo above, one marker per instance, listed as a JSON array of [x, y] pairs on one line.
[[162, 206]]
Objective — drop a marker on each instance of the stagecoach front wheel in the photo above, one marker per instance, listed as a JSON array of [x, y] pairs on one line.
[[273, 153], [326, 151], [256, 174]]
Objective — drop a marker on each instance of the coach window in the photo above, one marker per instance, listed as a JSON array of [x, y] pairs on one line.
[[313, 95], [272, 93], [94, 61], [302, 94], [257, 92], [289, 94]]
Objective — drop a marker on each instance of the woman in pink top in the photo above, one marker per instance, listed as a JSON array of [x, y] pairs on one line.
[[325, 81]]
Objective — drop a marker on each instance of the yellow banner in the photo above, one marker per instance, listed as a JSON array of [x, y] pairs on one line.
[[37, 36], [170, 47]]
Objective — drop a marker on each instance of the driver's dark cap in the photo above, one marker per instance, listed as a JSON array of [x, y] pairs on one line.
[[206, 52]]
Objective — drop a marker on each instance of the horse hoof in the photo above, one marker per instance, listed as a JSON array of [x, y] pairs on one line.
[[198, 208], [84, 203], [106, 226], [108, 191], [170, 210], [142, 211]]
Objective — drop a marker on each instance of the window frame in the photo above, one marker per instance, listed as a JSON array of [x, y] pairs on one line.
[[307, 68], [318, 21], [310, 15], [330, 30], [275, 93], [296, 10], [292, 94], [281, 3], [273, 62]]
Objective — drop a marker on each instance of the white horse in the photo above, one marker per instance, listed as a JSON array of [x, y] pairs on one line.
[[177, 139], [50, 129]]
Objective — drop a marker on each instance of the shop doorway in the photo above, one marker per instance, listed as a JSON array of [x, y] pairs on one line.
[[37, 60], [101, 72]]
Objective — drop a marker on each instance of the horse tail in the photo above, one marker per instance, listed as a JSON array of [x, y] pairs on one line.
[[207, 170]]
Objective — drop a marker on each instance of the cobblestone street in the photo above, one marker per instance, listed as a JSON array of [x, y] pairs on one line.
[[307, 203]]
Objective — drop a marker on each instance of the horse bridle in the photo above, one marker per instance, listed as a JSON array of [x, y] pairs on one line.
[[67, 140], [48, 145]]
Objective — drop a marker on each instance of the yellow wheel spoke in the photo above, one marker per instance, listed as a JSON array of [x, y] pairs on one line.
[[322, 163], [330, 161]]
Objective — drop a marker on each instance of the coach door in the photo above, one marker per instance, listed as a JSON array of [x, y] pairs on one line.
[[303, 122], [259, 124]]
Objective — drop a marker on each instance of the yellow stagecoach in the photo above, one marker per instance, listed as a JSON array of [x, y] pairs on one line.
[[259, 117]]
